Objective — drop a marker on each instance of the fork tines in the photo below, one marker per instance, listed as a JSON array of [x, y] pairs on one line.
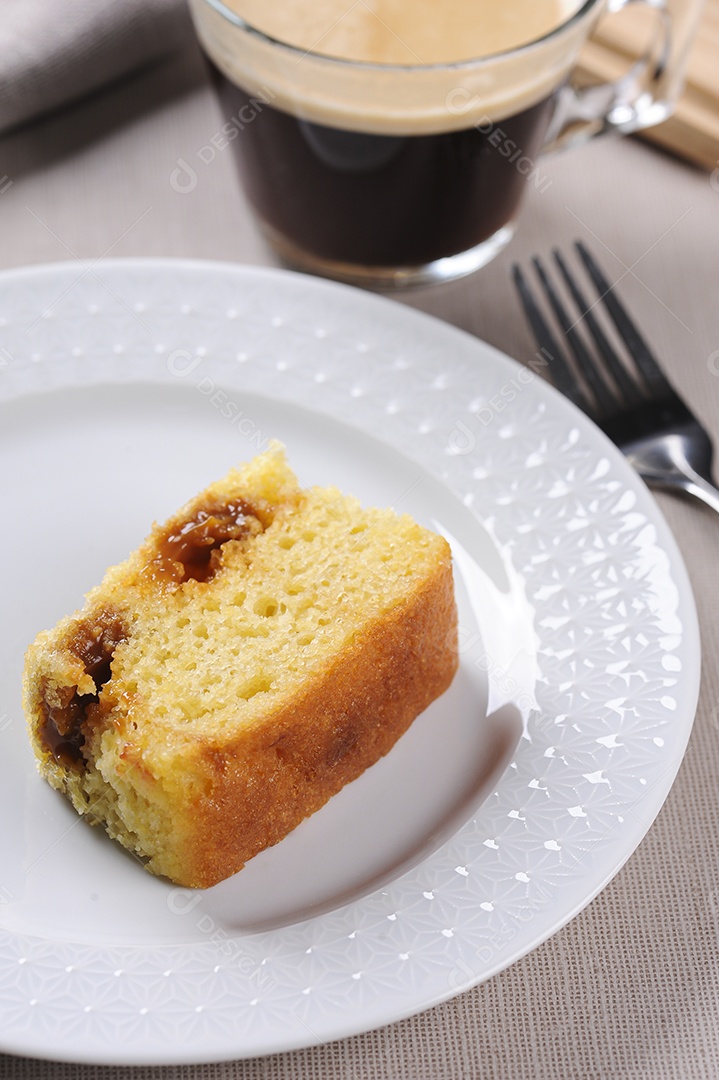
[[607, 396]]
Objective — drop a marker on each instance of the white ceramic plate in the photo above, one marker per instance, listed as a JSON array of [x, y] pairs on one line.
[[511, 801]]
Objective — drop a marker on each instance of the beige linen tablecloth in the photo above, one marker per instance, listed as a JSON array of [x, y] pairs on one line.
[[630, 988]]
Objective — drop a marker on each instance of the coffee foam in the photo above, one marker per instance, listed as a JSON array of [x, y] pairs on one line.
[[416, 98], [406, 31]]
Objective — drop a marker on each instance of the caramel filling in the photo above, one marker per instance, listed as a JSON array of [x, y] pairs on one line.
[[184, 551], [192, 550], [66, 713]]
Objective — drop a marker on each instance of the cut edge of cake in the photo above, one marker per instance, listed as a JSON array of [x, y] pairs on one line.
[[193, 800]]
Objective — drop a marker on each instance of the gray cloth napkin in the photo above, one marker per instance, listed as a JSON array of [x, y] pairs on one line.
[[53, 52]]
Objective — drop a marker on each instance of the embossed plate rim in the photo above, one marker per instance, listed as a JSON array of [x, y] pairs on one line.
[[454, 374]]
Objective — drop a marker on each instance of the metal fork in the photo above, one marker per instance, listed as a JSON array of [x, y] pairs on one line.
[[644, 416]]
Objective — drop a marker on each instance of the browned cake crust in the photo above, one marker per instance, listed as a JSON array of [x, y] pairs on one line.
[[267, 781], [258, 651]]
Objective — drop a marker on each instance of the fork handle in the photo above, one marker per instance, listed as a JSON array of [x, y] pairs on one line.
[[702, 489], [665, 465]]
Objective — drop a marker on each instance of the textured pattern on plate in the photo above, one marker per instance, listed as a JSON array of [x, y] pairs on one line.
[[617, 657]]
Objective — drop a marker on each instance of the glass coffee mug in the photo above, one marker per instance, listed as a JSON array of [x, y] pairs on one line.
[[374, 152]]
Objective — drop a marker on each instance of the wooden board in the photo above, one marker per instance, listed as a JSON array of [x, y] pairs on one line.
[[693, 131]]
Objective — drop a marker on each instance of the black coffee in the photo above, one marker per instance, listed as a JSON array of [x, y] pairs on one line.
[[383, 200]]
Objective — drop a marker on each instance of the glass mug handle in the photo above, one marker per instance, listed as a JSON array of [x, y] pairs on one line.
[[645, 95]]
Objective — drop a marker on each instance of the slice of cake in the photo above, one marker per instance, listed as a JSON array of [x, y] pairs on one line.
[[258, 651]]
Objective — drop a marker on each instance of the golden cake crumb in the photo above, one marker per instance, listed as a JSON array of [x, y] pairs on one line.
[[257, 652]]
